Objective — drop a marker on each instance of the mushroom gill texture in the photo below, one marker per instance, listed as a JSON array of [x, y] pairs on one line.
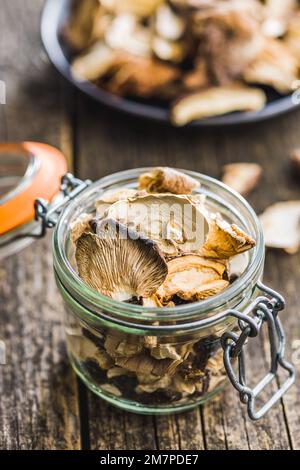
[[193, 278], [174, 222], [167, 180], [225, 240], [119, 263]]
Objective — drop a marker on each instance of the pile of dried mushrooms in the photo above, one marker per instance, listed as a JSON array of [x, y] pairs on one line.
[[155, 246], [202, 57]]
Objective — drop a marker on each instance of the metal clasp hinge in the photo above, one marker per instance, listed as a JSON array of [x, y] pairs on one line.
[[264, 309], [48, 214]]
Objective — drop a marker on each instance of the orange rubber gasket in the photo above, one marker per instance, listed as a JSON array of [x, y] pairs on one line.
[[44, 184]]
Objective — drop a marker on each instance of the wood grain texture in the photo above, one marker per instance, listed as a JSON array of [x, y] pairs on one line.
[[41, 405]]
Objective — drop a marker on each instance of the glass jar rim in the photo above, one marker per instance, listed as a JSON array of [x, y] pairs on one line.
[[85, 295]]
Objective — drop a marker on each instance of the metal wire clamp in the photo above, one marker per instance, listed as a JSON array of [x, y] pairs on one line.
[[264, 309], [48, 215]]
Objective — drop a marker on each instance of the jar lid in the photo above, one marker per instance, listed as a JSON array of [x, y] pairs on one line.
[[28, 170]]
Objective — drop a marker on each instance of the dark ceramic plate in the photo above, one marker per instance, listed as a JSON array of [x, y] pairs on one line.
[[55, 15]]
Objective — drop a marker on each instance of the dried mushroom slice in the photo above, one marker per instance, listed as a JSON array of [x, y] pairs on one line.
[[114, 372], [119, 263], [114, 195], [168, 50], [148, 365], [189, 379], [118, 345], [225, 240], [151, 302], [216, 371], [80, 225], [281, 226], [150, 342], [216, 101], [243, 177], [275, 66], [158, 384], [198, 77], [167, 180], [78, 32], [278, 14], [229, 37], [94, 63], [85, 349], [141, 76], [292, 38], [127, 34], [168, 24], [111, 389], [193, 278], [165, 351], [172, 221], [135, 7]]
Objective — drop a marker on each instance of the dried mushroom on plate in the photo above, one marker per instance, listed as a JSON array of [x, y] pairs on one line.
[[156, 246], [214, 101], [199, 57]]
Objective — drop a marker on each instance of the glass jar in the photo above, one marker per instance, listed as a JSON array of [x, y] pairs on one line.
[[163, 360]]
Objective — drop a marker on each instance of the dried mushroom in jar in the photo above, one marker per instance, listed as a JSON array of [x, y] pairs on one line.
[[169, 245], [193, 278], [167, 180], [225, 240], [174, 222], [141, 247], [119, 263]]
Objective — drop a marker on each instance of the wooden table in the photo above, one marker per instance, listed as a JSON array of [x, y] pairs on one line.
[[43, 405]]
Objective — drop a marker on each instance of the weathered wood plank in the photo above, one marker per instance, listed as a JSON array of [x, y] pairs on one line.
[[116, 430], [190, 431], [39, 404]]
